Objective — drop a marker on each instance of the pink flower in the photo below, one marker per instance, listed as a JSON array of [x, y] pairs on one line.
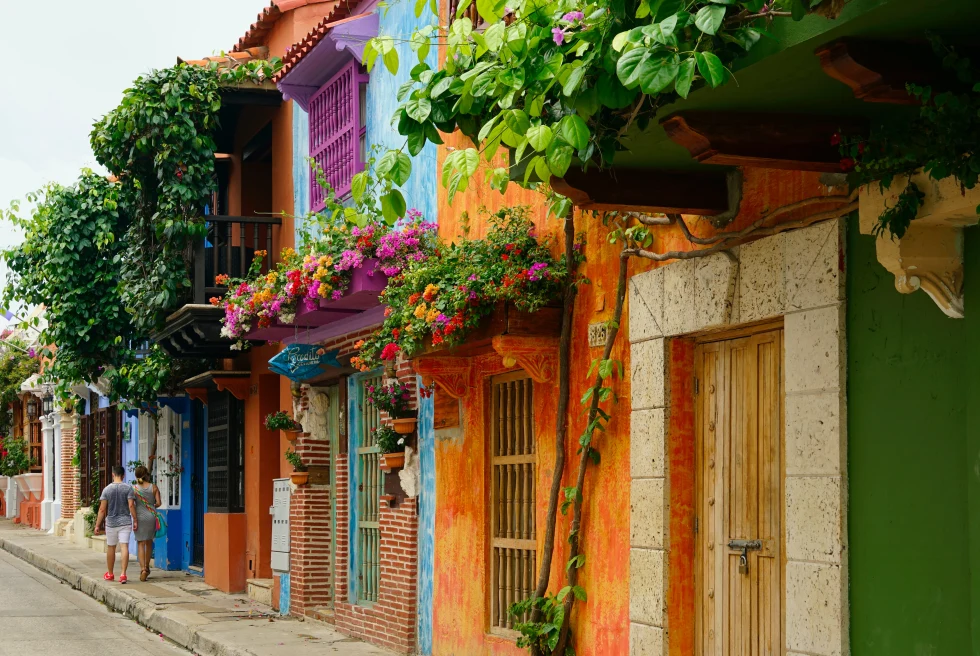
[[573, 16], [558, 35]]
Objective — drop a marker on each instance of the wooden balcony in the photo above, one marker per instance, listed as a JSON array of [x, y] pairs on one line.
[[194, 330]]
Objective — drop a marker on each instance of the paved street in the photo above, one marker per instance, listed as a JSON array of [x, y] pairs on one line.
[[41, 615]]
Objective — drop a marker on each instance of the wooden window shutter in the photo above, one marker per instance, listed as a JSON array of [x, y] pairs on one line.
[[335, 133], [513, 459], [370, 485]]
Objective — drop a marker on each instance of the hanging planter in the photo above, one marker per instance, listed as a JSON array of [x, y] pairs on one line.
[[390, 461], [299, 476], [282, 421], [404, 425]]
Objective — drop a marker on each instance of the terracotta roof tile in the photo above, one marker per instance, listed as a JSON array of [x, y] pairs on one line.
[[297, 51], [255, 34], [226, 58]]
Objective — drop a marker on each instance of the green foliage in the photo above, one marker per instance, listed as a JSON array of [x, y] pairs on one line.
[[388, 440], [159, 144], [565, 81], [15, 456], [16, 366], [69, 262], [542, 637], [109, 258], [896, 219], [939, 138], [294, 459], [280, 420]]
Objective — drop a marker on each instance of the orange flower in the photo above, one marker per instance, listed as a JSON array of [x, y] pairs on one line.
[[215, 300], [359, 344]]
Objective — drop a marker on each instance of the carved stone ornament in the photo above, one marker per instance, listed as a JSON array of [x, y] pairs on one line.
[[930, 254], [538, 356], [410, 475], [452, 375]]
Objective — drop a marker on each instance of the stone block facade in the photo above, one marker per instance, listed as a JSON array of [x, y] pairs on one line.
[[797, 275]]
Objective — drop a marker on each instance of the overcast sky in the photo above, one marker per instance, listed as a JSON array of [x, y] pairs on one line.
[[67, 62]]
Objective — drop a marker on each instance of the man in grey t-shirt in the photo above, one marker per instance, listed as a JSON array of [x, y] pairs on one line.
[[117, 513]]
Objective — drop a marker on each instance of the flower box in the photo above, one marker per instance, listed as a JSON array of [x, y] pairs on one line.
[[504, 320], [362, 294], [390, 461]]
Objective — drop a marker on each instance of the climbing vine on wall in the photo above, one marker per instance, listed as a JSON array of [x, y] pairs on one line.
[[109, 258]]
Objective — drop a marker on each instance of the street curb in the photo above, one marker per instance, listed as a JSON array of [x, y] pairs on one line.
[[141, 611]]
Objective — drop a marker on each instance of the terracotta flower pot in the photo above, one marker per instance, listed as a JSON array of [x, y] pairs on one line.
[[299, 478], [290, 435], [404, 426], [391, 461]]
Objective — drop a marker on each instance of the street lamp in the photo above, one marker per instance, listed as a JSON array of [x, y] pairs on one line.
[[32, 408]]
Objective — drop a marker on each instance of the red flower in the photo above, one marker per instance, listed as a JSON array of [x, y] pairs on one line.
[[395, 333], [861, 148], [835, 139], [504, 257], [389, 351], [847, 164], [414, 298], [437, 340]]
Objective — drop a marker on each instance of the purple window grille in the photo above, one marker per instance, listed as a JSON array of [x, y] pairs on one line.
[[335, 133]]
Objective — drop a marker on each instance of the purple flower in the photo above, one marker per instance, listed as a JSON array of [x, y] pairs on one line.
[[31, 353], [336, 295], [472, 277], [558, 35], [573, 16]]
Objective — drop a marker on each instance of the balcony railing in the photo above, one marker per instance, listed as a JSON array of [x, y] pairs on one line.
[[228, 250]]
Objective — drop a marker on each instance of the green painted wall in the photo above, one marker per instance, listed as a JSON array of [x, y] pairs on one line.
[[910, 409]]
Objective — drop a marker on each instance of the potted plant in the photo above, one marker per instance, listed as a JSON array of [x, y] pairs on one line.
[[299, 476], [392, 445], [395, 398], [17, 462], [282, 421]]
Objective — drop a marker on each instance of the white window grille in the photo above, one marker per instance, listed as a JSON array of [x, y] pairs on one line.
[[168, 462]]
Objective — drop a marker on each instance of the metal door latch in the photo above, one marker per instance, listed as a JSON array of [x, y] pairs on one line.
[[745, 546]]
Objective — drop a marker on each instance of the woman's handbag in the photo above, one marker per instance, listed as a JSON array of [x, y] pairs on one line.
[[161, 523]]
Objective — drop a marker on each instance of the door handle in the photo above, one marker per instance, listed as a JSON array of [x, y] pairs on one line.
[[745, 546]]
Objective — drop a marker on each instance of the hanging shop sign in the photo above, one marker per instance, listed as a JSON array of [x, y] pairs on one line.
[[301, 362]]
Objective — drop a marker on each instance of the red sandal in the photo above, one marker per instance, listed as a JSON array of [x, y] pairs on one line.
[[109, 576]]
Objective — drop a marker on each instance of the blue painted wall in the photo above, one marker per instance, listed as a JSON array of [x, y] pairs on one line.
[[301, 168], [427, 521], [353, 420], [398, 20], [284, 594]]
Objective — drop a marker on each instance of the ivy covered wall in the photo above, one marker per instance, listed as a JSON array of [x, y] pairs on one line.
[[913, 423]]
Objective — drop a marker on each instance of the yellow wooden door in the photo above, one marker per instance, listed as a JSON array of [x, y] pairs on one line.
[[739, 547]]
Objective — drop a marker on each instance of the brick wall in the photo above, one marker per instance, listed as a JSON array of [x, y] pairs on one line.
[[389, 622], [69, 472]]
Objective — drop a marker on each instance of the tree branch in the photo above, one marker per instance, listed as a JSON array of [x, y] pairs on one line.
[[564, 391], [573, 538]]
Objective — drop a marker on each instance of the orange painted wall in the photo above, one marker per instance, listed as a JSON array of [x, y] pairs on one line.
[[460, 617], [224, 551], [601, 625]]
